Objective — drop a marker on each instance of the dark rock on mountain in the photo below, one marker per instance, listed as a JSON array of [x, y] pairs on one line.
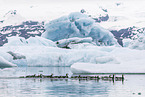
[[126, 33], [99, 19], [103, 18], [26, 29]]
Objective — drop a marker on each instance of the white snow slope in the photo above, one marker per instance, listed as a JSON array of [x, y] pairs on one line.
[[122, 13]]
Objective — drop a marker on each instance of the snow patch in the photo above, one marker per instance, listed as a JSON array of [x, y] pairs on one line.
[[12, 18]]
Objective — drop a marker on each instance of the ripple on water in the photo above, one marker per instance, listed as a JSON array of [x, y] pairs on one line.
[[132, 86]]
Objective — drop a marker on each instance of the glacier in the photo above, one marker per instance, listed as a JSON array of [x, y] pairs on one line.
[[77, 24]]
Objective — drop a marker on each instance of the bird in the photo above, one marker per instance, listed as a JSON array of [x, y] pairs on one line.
[[94, 77], [66, 76], [104, 77], [119, 78], [33, 76], [40, 76], [50, 76], [74, 76], [28, 76], [108, 77], [22, 77]]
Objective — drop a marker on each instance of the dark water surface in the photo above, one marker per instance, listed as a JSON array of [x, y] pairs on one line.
[[11, 86]]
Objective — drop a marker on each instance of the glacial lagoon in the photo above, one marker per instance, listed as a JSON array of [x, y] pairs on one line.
[[12, 86]]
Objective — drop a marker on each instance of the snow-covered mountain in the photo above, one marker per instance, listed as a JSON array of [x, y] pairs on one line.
[[127, 33], [26, 29], [11, 18], [14, 25]]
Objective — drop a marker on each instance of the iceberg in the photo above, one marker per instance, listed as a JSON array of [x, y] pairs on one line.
[[126, 42], [68, 43], [116, 60], [32, 41], [107, 68], [80, 25], [138, 43], [24, 52], [51, 56], [41, 55], [5, 63]]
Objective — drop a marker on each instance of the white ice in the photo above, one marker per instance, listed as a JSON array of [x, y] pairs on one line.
[[32, 41], [70, 42], [119, 60], [132, 67], [54, 56], [77, 24], [138, 43], [5, 63]]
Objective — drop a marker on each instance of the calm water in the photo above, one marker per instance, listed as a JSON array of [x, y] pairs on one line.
[[133, 86]]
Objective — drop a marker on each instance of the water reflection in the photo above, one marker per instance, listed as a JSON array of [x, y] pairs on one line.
[[64, 87], [132, 87], [23, 71], [77, 88]]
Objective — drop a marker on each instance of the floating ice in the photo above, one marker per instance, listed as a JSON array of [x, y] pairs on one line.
[[33, 41], [78, 25], [86, 53], [138, 43], [126, 42], [5, 63], [68, 43], [107, 59], [107, 68]]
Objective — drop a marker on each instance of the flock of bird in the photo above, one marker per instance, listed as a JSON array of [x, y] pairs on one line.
[[110, 77]]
